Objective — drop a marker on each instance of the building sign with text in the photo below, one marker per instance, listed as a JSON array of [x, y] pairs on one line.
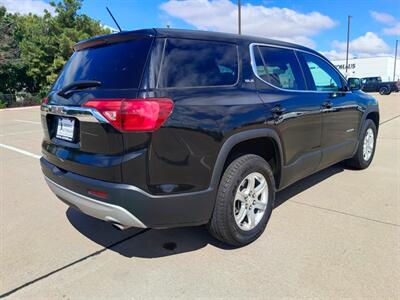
[[343, 66]]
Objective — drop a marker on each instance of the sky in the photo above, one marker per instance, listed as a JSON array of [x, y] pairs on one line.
[[318, 24]]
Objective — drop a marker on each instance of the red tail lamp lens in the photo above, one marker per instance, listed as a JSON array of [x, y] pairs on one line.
[[134, 114]]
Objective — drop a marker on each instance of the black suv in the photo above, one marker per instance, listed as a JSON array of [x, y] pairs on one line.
[[163, 128]]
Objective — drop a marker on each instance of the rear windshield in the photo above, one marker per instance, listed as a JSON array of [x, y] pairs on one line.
[[116, 66], [194, 63]]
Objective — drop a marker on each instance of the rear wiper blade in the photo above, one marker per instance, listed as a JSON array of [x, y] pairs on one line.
[[77, 85]]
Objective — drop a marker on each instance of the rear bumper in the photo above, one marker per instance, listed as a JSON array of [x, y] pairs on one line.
[[127, 205], [114, 214]]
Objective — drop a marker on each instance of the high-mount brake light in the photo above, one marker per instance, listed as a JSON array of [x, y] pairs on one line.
[[147, 114]]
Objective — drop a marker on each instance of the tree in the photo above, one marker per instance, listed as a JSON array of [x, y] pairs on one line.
[[12, 70], [35, 48]]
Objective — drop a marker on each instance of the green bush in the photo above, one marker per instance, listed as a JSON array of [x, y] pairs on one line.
[[19, 99]]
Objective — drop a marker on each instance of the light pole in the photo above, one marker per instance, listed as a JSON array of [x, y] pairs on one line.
[[239, 18], [395, 61], [348, 41]]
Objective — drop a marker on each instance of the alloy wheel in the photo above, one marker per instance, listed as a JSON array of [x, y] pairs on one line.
[[368, 145], [251, 200]]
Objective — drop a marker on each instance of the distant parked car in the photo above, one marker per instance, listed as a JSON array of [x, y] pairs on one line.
[[375, 84]]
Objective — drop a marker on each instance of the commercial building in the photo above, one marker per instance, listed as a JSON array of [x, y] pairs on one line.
[[382, 66]]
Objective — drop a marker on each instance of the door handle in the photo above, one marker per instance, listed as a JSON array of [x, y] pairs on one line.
[[327, 104], [278, 110]]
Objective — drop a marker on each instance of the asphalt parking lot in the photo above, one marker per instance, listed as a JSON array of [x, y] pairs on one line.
[[335, 234]]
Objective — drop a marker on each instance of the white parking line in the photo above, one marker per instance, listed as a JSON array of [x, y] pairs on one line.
[[26, 121], [20, 132], [20, 151]]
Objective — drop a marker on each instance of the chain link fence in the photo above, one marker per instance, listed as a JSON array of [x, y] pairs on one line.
[[19, 99]]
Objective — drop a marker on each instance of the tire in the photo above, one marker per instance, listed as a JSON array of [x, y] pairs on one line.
[[361, 160], [384, 90], [229, 208]]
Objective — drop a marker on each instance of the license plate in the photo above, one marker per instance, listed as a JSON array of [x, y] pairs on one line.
[[65, 129]]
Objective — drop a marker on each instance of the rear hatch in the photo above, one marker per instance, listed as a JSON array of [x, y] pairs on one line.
[[78, 138]]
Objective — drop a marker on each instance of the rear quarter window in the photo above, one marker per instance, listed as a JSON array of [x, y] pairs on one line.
[[195, 63], [116, 66]]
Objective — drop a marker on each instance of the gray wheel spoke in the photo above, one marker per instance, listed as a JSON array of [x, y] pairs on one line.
[[252, 181], [260, 205], [251, 217], [241, 215], [240, 197], [260, 187]]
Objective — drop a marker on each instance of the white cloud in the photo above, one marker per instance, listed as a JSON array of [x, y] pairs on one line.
[[25, 7], [392, 23], [336, 55], [368, 44], [394, 30], [383, 17], [271, 22]]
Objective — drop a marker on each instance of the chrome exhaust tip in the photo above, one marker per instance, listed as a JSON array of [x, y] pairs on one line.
[[118, 226]]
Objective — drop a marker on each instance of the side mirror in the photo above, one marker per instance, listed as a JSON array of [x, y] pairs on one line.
[[354, 84]]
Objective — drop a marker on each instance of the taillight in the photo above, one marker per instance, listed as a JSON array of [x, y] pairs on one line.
[[146, 114], [109, 108]]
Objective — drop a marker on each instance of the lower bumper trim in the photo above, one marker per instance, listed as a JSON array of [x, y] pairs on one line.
[[117, 215]]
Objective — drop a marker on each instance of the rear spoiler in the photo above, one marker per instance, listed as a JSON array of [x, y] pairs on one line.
[[114, 38]]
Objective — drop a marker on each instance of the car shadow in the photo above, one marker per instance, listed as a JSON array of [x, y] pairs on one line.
[[306, 183], [165, 242], [149, 244]]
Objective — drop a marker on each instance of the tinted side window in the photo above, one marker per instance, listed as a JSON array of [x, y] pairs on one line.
[[325, 77], [279, 67], [193, 63]]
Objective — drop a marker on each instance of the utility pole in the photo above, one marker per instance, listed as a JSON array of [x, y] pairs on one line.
[[395, 61], [239, 18], [348, 41]]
